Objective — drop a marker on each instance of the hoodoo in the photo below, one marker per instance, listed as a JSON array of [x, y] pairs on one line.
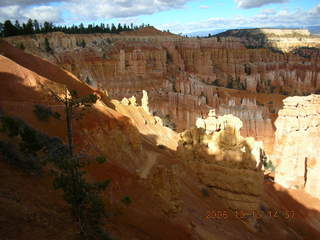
[[297, 145]]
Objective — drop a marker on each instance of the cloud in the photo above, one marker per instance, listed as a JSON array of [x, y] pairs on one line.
[[256, 3], [41, 13], [204, 6], [25, 2], [269, 11], [97, 9], [269, 18], [83, 10], [128, 20]]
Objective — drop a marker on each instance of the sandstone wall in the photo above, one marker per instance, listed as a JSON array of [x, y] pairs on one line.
[[185, 77], [298, 144], [227, 163], [284, 40]]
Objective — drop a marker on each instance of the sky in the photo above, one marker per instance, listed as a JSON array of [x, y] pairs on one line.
[[178, 16]]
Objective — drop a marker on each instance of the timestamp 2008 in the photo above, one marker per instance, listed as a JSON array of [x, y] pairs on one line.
[[242, 214]]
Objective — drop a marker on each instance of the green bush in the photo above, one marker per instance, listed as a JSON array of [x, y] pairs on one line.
[[259, 103], [283, 92], [230, 83], [217, 83], [205, 192], [169, 58], [167, 122], [83, 44], [126, 200], [101, 159], [44, 113], [247, 69], [35, 149], [21, 46], [162, 146], [269, 165], [47, 46], [13, 155]]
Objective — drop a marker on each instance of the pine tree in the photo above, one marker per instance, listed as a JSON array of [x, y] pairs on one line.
[[108, 30], [113, 28], [119, 29], [9, 29], [86, 204], [47, 45], [36, 26], [29, 27], [81, 28]]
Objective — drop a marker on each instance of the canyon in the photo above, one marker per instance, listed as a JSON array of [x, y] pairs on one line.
[[189, 126], [185, 77]]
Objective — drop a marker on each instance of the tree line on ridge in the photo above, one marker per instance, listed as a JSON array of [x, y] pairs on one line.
[[7, 28]]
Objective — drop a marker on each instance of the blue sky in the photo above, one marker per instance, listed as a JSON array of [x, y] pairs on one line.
[[179, 16]]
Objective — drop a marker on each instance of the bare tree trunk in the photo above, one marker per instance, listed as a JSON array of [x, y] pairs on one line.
[[75, 169], [69, 124]]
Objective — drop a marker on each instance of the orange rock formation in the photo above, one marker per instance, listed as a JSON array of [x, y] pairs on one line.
[[224, 161]]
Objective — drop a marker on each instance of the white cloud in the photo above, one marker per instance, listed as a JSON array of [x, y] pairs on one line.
[[84, 10], [269, 11], [204, 6], [256, 3], [128, 20], [9, 12], [25, 2], [41, 13], [96, 9], [270, 18]]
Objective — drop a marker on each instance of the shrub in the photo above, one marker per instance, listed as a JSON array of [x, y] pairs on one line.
[[269, 165], [174, 88], [162, 146], [44, 113], [229, 84], [126, 200], [272, 88], [21, 46], [47, 46], [101, 159], [216, 82], [242, 86], [283, 92], [272, 110], [167, 122], [169, 58], [26, 154], [83, 44], [259, 103], [13, 155], [35, 149], [247, 69], [88, 81], [205, 192]]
